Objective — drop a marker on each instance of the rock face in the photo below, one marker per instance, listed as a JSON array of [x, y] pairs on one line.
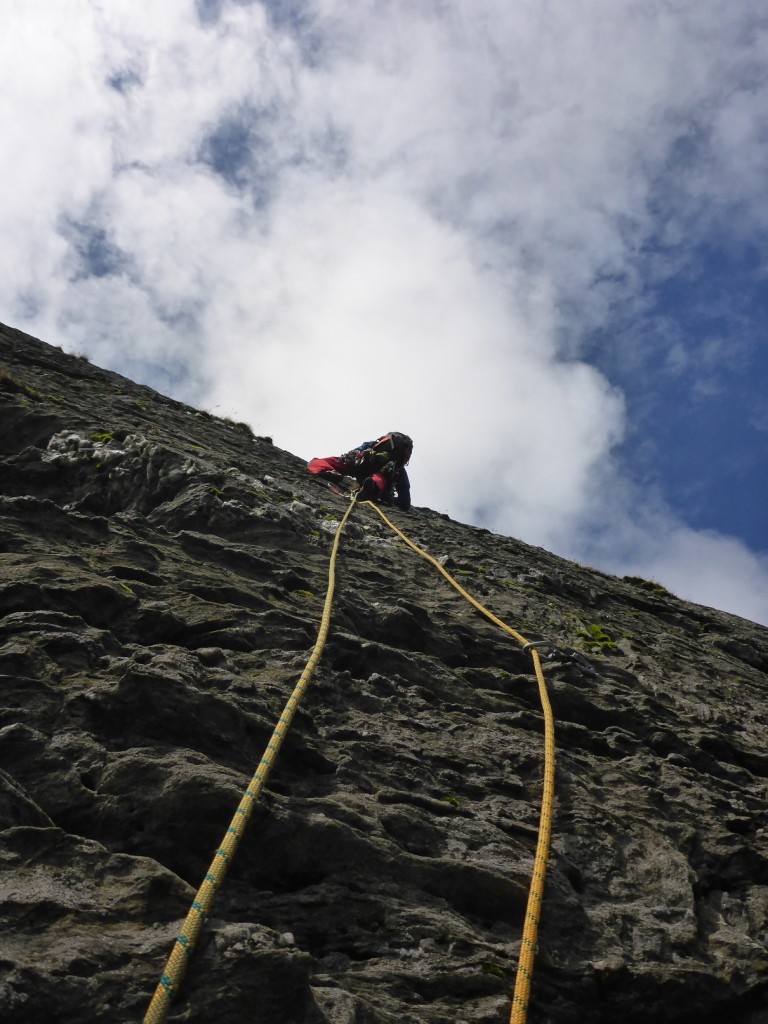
[[163, 574]]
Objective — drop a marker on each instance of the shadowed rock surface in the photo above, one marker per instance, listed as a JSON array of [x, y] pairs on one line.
[[163, 574]]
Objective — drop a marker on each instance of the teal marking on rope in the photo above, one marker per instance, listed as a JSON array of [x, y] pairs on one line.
[[212, 880], [166, 982], [223, 854], [196, 906]]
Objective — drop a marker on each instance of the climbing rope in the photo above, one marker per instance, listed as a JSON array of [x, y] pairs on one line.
[[186, 941], [184, 946], [527, 953]]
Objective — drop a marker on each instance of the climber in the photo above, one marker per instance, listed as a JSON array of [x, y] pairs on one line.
[[378, 466]]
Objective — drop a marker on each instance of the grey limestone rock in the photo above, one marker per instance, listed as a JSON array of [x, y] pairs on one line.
[[163, 576]]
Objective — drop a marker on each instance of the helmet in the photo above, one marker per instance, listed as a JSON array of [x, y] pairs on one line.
[[399, 444]]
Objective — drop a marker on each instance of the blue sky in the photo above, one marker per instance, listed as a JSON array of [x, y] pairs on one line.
[[695, 385], [531, 235]]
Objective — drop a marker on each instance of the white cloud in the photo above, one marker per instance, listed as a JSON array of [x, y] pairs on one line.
[[428, 209], [704, 566]]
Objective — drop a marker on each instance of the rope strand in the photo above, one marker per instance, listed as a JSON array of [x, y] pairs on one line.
[[176, 966], [521, 995]]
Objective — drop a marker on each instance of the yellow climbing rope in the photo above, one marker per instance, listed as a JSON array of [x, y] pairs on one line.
[[183, 948], [186, 941], [522, 990]]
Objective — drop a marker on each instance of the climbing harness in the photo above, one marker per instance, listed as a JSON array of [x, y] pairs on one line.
[[524, 974], [183, 948], [186, 941]]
